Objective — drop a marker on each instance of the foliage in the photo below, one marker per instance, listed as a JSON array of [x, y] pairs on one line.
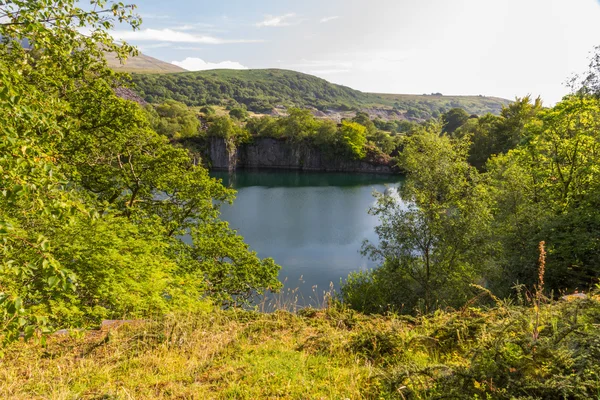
[[491, 135], [238, 113], [264, 90], [300, 126], [454, 119], [95, 205], [264, 126], [589, 83], [431, 246], [224, 127], [258, 90], [207, 110], [547, 190], [174, 120], [353, 138], [457, 227]]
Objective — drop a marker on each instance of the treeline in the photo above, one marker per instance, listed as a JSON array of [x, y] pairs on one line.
[[510, 203], [356, 138], [100, 216]]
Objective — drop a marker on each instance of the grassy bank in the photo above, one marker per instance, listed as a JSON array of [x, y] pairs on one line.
[[550, 352]]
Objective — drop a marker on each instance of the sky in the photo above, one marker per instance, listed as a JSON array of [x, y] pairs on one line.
[[505, 48]]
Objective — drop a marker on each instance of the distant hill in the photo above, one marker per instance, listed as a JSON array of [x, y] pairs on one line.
[[142, 64], [263, 90]]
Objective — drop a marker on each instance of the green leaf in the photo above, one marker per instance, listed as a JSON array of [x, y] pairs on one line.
[[18, 304], [53, 281], [29, 332]]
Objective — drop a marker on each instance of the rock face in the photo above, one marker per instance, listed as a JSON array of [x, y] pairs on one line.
[[269, 153], [223, 155]]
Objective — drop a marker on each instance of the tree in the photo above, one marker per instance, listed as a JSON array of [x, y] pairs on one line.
[[453, 119], [299, 124], [327, 136], [511, 129], [363, 118], [547, 189], [432, 246], [94, 204], [226, 128], [264, 126], [238, 113], [589, 84], [36, 199], [353, 138], [482, 133], [175, 120]]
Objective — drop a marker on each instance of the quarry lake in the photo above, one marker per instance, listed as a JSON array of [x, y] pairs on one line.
[[312, 224]]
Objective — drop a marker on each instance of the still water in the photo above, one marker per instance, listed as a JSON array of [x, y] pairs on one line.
[[312, 224]]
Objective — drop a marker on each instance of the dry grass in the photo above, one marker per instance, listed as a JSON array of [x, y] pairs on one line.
[[242, 355], [330, 353]]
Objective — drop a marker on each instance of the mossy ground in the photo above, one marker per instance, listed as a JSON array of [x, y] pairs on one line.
[[321, 354]]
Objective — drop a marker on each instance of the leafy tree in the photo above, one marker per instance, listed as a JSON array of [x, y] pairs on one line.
[[454, 119], [175, 120], [238, 113], [491, 135], [589, 84], [547, 190], [432, 246], [226, 128], [327, 136], [384, 141], [264, 126], [353, 138], [484, 142], [299, 125], [207, 110], [36, 200], [364, 119], [511, 129], [94, 204]]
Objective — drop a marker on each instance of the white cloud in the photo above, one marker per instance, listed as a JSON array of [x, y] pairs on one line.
[[199, 27], [276, 21], [197, 64], [187, 48], [153, 46], [174, 36], [327, 19], [154, 16], [328, 71], [323, 64]]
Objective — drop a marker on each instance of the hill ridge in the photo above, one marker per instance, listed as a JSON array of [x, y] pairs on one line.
[[264, 90]]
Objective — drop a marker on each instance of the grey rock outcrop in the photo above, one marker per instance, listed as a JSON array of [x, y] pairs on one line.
[[269, 153]]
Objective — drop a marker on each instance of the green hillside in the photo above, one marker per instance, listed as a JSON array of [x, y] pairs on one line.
[[261, 90]]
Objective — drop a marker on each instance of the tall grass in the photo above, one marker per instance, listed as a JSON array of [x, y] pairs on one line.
[[322, 352]]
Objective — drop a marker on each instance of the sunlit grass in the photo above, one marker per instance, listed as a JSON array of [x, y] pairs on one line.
[[328, 353]]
